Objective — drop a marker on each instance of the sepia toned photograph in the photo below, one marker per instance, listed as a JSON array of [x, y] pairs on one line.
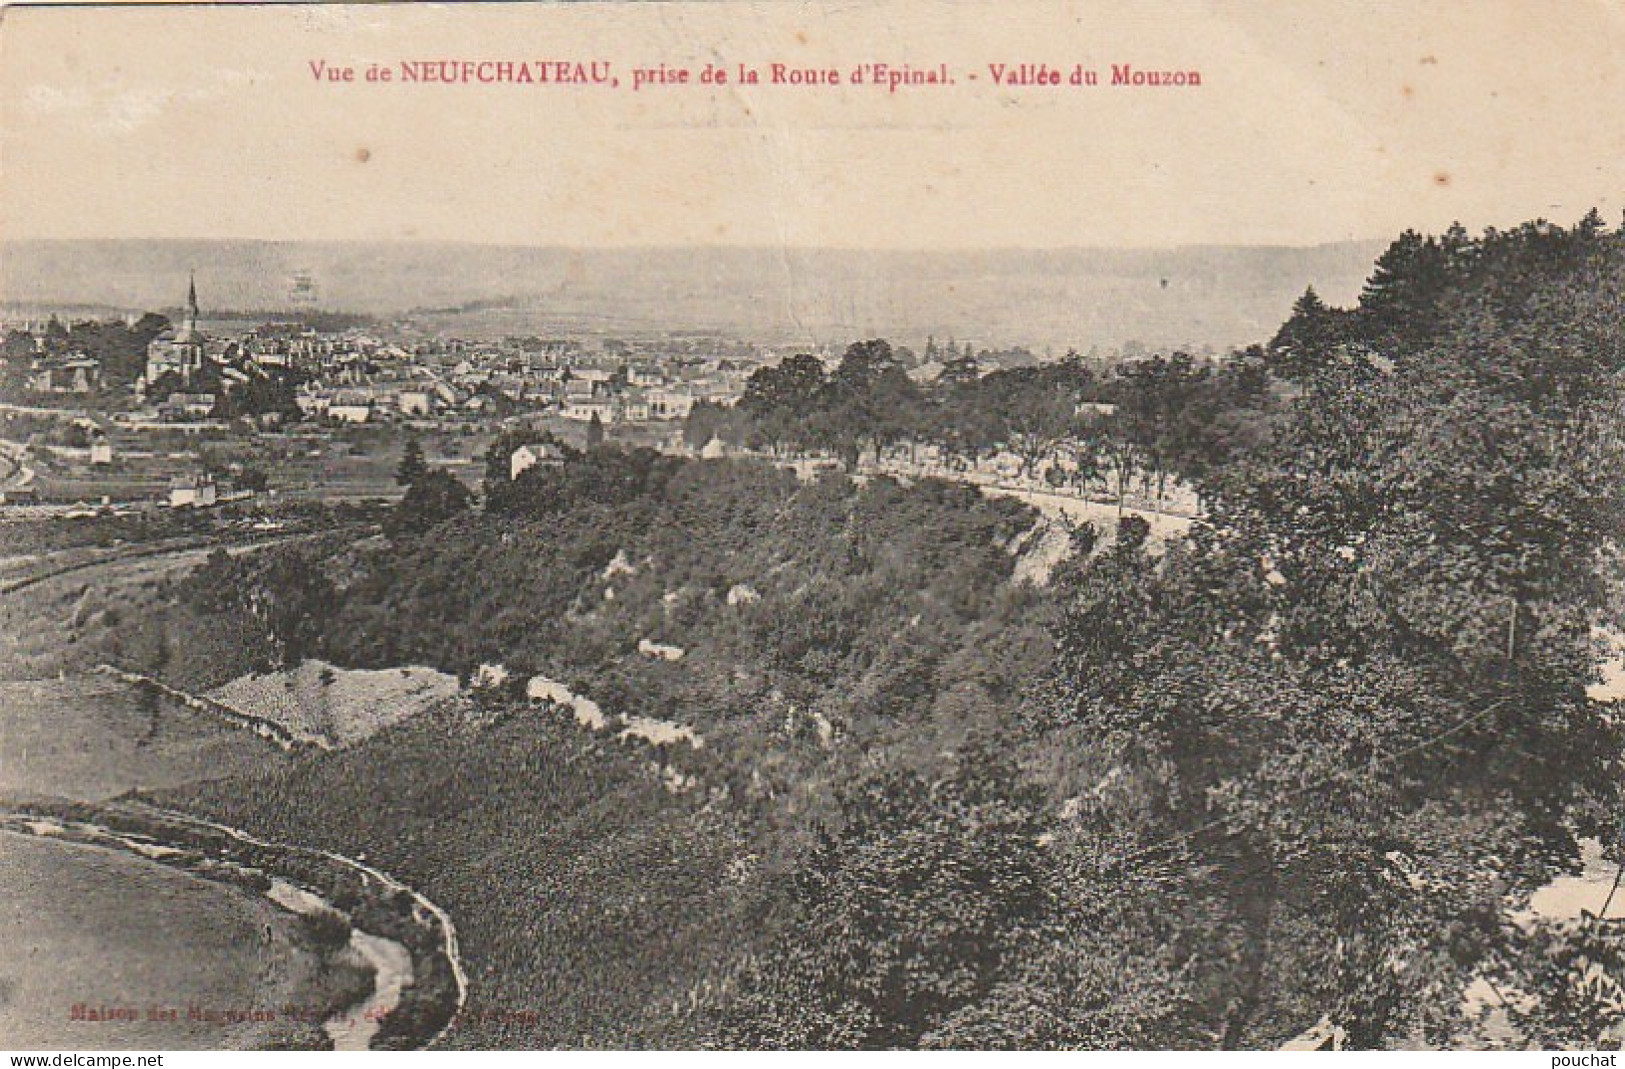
[[762, 526]]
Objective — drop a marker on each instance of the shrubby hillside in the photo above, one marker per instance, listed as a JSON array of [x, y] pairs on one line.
[[825, 629], [1304, 766], [798, 620]]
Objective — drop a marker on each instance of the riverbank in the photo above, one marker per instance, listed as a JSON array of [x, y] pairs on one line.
[[384, 958], [143, 955]]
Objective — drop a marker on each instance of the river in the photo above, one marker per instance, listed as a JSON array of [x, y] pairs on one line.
[[150, 956], [101, 948]]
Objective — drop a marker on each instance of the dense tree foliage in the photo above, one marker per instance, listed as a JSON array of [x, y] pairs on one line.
[[265, 392], [119, 349], [926, 901], [1356, 696], [434, 496], [1176, 417], [1306, 764]]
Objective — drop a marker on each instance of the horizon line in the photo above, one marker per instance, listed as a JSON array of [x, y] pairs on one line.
[[408, 242]]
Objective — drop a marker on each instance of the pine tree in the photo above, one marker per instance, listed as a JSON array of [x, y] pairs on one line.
[[1400, 303], [412, 467], [1308, 340]]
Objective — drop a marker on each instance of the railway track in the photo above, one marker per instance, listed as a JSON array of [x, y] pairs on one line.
[[173, 547]]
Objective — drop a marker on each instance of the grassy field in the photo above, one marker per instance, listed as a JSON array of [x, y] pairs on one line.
[[71, 622], [138, 936], [90, 738]]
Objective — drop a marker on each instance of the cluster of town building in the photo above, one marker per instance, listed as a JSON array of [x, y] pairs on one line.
[[198, 375], [355, 376], [445, 382]]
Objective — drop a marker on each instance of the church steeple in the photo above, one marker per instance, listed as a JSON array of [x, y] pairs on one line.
[[180, 352], [188, 329]]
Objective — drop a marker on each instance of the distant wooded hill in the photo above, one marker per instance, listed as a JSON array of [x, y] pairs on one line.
[[1200, 295]]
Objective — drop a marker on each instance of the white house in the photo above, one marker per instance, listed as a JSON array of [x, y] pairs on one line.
[[670, 404], [415, 402], [191, 491], [583, 409], [635, 409], [349, 412], [592, 376], [68, 376], [185, 406], [531, 454]]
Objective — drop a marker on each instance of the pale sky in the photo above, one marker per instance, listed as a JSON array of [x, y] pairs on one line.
[[1315, 122]]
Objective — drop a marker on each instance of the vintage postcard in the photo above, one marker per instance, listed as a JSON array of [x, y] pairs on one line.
[[913, 525]]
